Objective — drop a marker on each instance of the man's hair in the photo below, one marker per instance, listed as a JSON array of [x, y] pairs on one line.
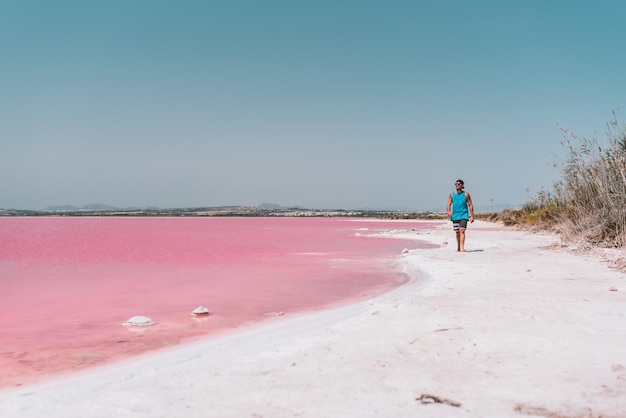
[[460, 181]]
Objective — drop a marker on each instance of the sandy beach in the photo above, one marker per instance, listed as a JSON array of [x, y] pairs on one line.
[[517, 326]]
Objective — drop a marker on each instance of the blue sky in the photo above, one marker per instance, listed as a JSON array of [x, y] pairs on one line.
[[323, 104]]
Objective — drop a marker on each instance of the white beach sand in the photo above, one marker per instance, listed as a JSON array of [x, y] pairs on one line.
[[515, 327]]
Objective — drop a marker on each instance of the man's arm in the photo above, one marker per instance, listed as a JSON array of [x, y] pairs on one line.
[[449, 206], [470, 206]]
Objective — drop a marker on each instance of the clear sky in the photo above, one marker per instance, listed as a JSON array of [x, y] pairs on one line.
[[323, 104]]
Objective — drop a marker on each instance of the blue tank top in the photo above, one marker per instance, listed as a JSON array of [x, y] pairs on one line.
[[459, 206]]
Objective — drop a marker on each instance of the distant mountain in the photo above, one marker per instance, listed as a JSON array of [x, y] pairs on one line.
[[99, 206], [269, 206], [94, 207], [61, 208]]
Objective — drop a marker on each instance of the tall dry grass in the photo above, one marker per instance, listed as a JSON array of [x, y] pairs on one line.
[[588, 203], [594, 188]]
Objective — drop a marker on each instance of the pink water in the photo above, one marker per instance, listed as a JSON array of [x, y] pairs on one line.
[[68, 284]]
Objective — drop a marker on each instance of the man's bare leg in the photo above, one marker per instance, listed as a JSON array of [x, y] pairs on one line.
[[458, 240], [461, 240]]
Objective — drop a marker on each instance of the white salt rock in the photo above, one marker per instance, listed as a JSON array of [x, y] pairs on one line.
[[200, 310], [139, 321]]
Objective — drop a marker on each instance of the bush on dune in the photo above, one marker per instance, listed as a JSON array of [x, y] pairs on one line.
[[589, 202], [594, 186]]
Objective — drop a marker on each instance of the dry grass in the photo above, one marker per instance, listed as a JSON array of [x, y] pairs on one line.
[[589, 202]]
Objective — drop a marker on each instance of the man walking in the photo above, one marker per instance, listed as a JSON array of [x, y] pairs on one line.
[[460, 211]]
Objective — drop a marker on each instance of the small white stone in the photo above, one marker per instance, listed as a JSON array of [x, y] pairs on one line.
[[139, 321], [200, 310]]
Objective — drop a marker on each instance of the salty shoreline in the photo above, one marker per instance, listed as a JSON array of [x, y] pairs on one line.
[[516, 326]]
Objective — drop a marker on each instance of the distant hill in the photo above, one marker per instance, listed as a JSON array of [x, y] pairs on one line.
[[99, 206], [265, 206], [94, 207], [269, 206], [62, 208]]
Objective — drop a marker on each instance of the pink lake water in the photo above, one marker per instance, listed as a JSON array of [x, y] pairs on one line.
[[68, 283]]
